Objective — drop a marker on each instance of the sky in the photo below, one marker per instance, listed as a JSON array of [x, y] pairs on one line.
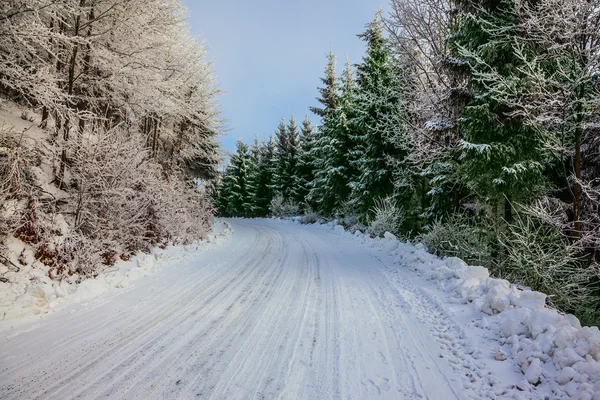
[[269, 55]]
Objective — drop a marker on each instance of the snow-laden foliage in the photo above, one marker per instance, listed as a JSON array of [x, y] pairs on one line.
[[126, 103], [458, 236], [280, 207], [387, 217], [536, 254]]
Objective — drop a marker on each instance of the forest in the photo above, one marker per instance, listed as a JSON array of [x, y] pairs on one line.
[[470, 126], [117, 132]]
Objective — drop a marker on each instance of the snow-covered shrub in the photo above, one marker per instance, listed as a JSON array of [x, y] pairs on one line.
[[387, 217], [537, 255], [309, 217], [460, 237], [280, 207], [15, 160], [16, 183]]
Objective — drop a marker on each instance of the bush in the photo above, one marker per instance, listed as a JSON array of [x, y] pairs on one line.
[[387, 217], [117, 200], [280, 207], [459, 236], [309, 217], [538, 255]]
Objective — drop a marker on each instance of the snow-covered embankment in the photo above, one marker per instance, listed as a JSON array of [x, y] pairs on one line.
[[556, 355], [30, 291]]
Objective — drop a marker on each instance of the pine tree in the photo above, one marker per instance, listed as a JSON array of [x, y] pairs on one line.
[[305, 174], [292, 156], [260, 187], [280, 182], [235, 183], [254, 166], [329, 92], [332, 154], [499, 158], [377, 109]]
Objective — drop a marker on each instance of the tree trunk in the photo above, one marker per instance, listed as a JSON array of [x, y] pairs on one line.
[[45, 115], [70, 105], [577, 192]]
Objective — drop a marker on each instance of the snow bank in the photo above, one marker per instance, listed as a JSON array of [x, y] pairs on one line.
[[556, 355], [32, 292]]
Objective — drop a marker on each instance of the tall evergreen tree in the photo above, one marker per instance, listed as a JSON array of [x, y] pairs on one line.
[[329, 92], [262, 190], [280, 182], [292, 156], [499, 158], [332, 151], [254, 166], [305, 171], [234, 193], [377, 107]]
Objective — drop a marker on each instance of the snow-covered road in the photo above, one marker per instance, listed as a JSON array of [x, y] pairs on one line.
[[280, 311]]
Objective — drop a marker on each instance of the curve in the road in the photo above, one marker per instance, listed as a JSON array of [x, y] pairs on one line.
[[280, 311]]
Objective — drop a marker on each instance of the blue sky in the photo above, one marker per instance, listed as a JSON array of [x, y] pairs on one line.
[[270, 54]]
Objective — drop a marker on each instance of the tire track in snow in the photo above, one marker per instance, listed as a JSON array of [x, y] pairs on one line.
[[284, 311]]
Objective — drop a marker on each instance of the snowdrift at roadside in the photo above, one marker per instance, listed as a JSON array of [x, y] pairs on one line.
[[557, 356], [31, 292]]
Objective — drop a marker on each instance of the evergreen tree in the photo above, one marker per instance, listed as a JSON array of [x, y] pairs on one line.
[[378, 108], [261, 187], [499, 158], [329, 92], [332, 151], [280, 182], [234, 192], [305, 174], [293, 150], [254, 166], [287, 149]]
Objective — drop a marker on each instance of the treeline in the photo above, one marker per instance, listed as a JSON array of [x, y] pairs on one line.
[[127, 104], [473, 127]]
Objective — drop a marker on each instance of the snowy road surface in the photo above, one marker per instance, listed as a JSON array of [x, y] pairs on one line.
[[280, 311]]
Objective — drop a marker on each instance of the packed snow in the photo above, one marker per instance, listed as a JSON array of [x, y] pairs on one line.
[[558, 358], [30, 291], [283, 310]]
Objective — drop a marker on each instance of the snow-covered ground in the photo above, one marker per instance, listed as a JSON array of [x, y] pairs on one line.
[[30, 291], [290, 311]]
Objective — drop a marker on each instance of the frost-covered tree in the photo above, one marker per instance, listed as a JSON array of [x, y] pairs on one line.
[[334, 171], [287, 151], [293, 154], [329, 92], [305, 170], [378, 110], [499, 157], [233, 194], [280, 182], [260, 174]]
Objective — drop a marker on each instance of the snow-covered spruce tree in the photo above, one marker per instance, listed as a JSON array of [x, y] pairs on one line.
[[500, 158], [305, 169], [284, 179], [234, 190], [329, 93], [556, 94], [378, 122], [253, 177], [293, 153], [264, 189], [260, 192], [280, 182], [333, 149]]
